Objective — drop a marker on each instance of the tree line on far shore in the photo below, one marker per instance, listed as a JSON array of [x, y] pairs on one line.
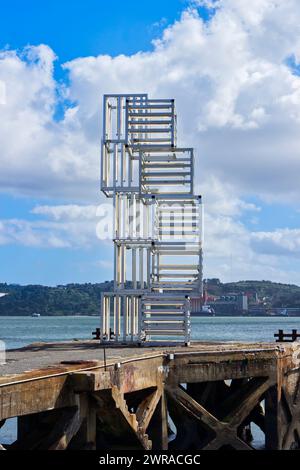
[[71, 299], [84, 299]]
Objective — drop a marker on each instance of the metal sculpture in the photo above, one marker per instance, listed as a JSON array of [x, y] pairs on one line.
[[157, 223]]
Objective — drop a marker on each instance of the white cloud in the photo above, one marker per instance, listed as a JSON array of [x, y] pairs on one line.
[[67, 211], [280, 242], [2, 92], [65, 226], [238, 104], [220, 198], [238, 101], [235, 253], [40, 156], [32, 234]]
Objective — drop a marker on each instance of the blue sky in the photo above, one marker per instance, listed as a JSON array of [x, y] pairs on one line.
[[91, 27], [72, 29], [239, 124]]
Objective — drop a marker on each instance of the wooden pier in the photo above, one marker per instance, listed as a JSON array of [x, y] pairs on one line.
[[205, 396]]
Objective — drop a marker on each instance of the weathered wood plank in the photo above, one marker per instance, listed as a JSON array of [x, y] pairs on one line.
[[90, 381], [187, 370], [146, 409], [33, 397]]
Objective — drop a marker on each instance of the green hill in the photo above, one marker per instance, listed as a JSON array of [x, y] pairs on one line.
[[70, 299], [84, 299], [274, 294]]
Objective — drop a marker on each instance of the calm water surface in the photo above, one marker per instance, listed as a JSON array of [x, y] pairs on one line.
[[19, 331]]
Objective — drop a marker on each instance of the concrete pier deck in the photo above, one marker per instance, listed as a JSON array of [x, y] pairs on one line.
[[205, 396]]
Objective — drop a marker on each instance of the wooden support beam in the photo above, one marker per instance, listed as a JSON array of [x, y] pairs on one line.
[[187, 432], [290, 426], [146, 409], [64, 430], [85, 438], [272, 433], [121, 404], [111, 422], [228, 440], [226, 433], [248, 396], [131, 418], [214, 367], [193, 408], [48, 430], [90, 381], [158, 429], [117, 423]]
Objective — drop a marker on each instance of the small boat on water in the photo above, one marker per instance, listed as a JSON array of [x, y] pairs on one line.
[[36, 315], [208, 310]]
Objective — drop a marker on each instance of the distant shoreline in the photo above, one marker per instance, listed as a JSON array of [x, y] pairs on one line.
[[192, 316], [85, 299]]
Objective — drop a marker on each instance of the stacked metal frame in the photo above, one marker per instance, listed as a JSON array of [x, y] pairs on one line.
[[157, 223]]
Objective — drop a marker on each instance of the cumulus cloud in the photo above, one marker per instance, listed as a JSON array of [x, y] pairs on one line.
[[67, 211], [2, 93], [237, 98], [32, 234], [284, 242], [238, 101], [61, 226], [68, 226], [39, 155], [236, 253], [221, 199]]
